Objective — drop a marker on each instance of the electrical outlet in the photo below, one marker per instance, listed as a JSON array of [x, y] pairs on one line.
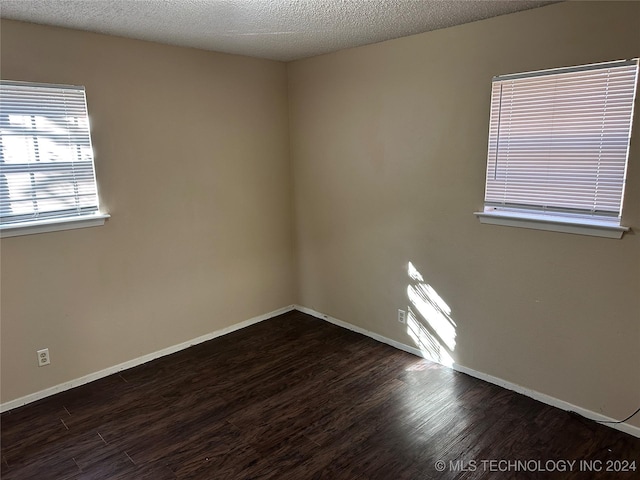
[[43, 357], [402, 316]]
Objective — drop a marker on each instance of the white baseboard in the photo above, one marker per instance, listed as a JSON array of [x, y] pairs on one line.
[[354, 328], [549, 400], [541, 397], [18, 402]]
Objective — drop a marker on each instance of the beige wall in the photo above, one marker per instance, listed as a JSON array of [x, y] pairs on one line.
[[191, 152], [389, 145]]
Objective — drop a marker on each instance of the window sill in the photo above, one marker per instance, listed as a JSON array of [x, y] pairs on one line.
[[551, 224], [53, 225]]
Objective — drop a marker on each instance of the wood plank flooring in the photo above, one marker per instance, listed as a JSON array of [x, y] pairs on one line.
[[298, 398]]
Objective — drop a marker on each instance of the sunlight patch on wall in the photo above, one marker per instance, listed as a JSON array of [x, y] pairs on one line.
[[429, 320]]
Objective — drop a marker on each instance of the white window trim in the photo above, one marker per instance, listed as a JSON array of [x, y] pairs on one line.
[[581, 224], [552, 224], [57, 222], [53, 225]]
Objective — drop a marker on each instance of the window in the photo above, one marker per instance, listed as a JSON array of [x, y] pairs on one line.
[[47, 178], [558, 148]]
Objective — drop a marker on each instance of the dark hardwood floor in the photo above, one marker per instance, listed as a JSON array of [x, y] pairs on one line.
[[297, 398]]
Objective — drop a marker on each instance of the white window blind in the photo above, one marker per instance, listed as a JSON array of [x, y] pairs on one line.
[[559, 140], [46, 159]]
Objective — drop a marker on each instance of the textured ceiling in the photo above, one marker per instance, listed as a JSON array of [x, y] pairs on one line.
[[275, 29]]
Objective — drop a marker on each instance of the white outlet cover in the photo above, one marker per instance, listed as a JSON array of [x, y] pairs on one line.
[[43, 357]]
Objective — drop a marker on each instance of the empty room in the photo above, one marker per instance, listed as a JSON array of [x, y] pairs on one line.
[[319, 239]]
